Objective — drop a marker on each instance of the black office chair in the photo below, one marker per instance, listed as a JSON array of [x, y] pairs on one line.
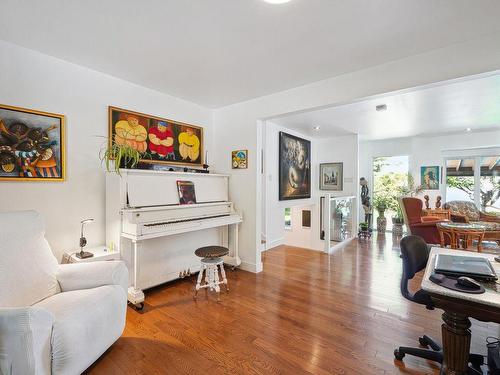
[[415, 254]]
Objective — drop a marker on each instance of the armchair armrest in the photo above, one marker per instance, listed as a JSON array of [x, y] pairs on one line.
[[458, 218], [426, 224], [488, 217], [25, 340], [76, 276]]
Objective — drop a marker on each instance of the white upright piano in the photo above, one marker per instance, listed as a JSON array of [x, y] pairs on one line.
[[156, 236]]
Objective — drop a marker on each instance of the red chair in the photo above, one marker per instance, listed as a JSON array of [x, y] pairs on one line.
[[418, 225]]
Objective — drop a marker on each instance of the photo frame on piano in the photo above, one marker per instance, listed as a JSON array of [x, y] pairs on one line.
[[187, 193]]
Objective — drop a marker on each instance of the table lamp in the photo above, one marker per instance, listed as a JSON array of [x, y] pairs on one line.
[[83, 241]]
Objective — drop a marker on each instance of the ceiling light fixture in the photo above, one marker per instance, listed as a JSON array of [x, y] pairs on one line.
[[468, 129], [277, 1], [317, 127], [381, 107]]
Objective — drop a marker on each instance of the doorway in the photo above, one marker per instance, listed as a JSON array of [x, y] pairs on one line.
[[390, 178]]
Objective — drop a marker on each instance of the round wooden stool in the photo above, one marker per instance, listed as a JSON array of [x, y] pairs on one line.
[[211, 260]]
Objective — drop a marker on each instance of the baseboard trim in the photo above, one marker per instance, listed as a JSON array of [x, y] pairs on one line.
[[251, 267], [274, 243]]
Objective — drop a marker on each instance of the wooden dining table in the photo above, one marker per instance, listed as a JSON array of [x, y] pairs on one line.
[[458, 308]]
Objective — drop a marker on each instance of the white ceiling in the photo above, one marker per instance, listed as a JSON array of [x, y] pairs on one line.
[[217, 52], [444, 108]]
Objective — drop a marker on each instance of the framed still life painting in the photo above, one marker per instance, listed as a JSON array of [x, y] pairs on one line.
[[159, 140], [294, 167], [331, 176], [239, 159], [31, 145], [429, 178]]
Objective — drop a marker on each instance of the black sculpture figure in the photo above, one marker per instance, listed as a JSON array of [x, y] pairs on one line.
[[365, 201]]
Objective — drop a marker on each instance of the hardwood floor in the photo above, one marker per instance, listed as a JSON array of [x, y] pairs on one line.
[[306, 313]]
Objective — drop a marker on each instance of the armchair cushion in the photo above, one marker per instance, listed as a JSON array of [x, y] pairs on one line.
[[27, 267], [463, 208], [25, 335], [77, 276], [87, 322], [490, 217]]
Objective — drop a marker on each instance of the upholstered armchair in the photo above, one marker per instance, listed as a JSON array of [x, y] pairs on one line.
[[423, 226], [54, 319], [465, 212]]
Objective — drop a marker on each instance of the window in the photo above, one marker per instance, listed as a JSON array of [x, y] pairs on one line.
[[288, 218], [489, 182], [475, 179], [460, 184]]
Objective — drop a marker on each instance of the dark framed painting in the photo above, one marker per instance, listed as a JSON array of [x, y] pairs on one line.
[[429, 178], [187, 193], [331, 176], [32, 145], [159, 140], [294, 167]]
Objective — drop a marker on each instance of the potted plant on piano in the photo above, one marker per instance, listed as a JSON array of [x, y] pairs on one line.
[[117, 156]]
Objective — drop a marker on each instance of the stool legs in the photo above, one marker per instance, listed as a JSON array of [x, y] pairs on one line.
[[198, 282], [224, 279], [212, 280]]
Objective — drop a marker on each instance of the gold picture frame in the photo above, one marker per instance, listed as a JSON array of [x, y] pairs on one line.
[[139, 130], [32, 145]]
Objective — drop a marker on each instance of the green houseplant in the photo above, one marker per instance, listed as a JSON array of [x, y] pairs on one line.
[[117, 156]]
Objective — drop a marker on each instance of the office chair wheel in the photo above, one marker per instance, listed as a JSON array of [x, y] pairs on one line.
[[399, 356], [423, 341]]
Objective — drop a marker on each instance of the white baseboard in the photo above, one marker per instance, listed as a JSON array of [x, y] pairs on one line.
[[274, 243], [251, 267]]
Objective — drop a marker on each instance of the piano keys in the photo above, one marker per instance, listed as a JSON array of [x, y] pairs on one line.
[[157, 236]]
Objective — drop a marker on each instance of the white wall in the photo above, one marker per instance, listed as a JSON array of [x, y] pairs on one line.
[[275, 232], [36, 81], [240, 125], [340, 149], [422, 151]]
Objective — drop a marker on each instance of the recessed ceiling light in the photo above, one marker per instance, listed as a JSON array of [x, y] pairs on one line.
[[468, 129], [381, 107], [317, 127], [276, 1]]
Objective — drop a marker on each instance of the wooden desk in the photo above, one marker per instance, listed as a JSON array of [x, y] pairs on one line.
[[458, 308], [440, 213]]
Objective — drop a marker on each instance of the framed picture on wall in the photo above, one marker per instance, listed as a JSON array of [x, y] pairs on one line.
[[429, 178], [32, 145], [239, 159], [331, 176], [159, 140], [294, 167]]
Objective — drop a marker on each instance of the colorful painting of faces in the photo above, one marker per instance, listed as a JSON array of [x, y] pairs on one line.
[[31, 145], [158, 140]]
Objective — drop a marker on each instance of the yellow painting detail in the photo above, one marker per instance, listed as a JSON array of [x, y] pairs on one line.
[[131, 133], [189, 145]]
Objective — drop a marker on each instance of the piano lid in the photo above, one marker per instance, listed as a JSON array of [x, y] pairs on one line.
[[160, 189]]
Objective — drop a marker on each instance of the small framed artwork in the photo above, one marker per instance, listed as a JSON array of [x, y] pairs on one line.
[[429, 178], [187, 194], [32, 145], [239, 159], [331, 176], [306, 218]]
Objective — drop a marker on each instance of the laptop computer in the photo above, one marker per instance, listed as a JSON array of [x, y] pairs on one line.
[[455, 266]]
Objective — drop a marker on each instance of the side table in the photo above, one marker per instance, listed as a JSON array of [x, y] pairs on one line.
[[100, 253]]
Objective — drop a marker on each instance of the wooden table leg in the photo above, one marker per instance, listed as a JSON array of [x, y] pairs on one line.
[[456, 342]]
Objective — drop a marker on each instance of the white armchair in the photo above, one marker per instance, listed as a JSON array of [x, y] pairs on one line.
[[54, 319]]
